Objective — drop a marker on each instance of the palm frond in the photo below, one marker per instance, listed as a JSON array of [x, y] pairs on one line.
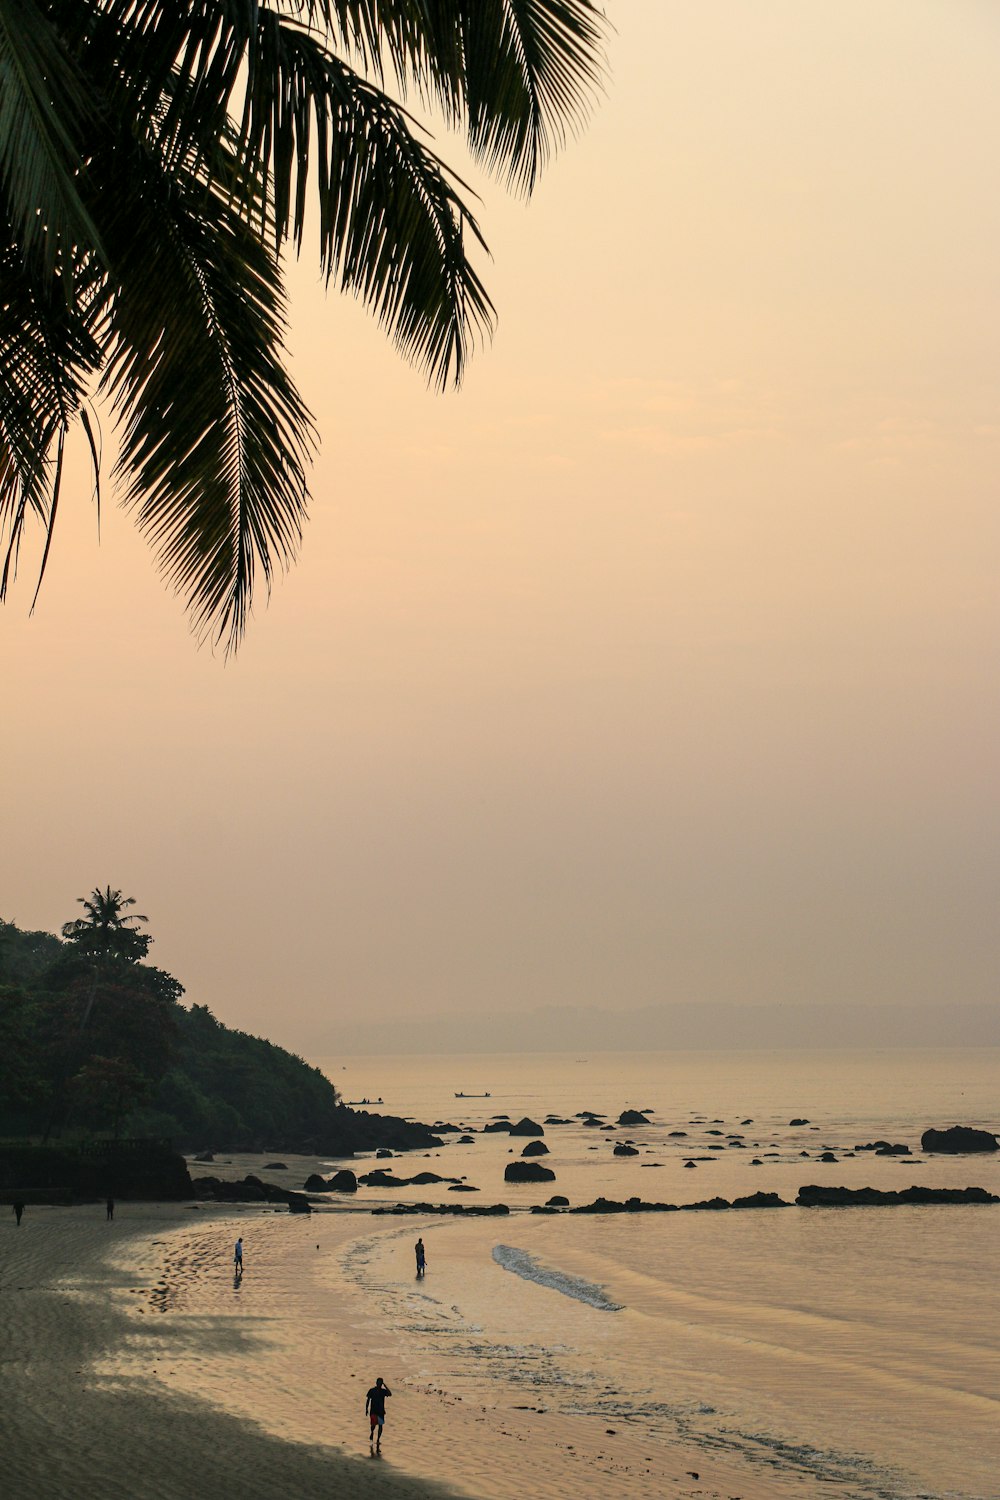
[[44, 118], [518, 75], [392, 225], [215, 436], [47, 357]]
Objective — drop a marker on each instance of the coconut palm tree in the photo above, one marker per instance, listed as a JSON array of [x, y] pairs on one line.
[[107, 932], [157, 157]]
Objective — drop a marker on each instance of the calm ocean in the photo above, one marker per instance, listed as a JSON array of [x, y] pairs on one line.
[[852, 1351]]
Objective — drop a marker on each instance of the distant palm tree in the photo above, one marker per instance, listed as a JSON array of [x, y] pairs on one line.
[[106, 933], [155, 158]]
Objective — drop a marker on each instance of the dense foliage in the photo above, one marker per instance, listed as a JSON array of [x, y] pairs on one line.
[[92, 1040]]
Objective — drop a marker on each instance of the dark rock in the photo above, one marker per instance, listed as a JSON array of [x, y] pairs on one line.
[[466, 1140], [204, 1156], [609, 1127], [593, 1124], [379, 1177], [884, 1148], [761, 1200], [827, 1156], [299, 1205], [838, 1197], [622, 1150], [797, 1121], [382, 1154], [314, 1183], [528, 1171], [678, 1132], [756, 1162], [690, 1164], [713, 1132], [495, 1125], [542, 1208], [737, 1144], [746, 1122], [557, 1201], [343, 1181], [499, 1117], [556, 1120], [714, 1203], [958, 1139], [588, 1114], [535, 1148], [632, 1117], [630, 1206], [275, 1166], [462, 1187]]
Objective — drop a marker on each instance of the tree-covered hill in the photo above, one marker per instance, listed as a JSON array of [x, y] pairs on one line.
[[95, 1041]]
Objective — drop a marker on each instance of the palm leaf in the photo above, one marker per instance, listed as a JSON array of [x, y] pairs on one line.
[[517, 74], [392, 226], [44, 119], [47, 357], [215, 436]]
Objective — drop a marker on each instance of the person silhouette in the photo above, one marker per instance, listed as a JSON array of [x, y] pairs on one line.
[[421, 1257], [375, 1409]]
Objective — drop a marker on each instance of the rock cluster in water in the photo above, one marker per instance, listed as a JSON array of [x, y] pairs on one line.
[[841, 1197]]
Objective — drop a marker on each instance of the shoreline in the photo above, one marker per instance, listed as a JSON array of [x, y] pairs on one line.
[[115, 1383], [69, 1425]]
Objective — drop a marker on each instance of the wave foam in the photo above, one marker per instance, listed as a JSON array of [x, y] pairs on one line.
[[520, 1263]]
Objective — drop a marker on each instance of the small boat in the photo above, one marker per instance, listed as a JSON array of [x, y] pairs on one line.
[[473, 1096]]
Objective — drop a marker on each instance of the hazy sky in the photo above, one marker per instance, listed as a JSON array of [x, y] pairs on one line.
[[660, 663]]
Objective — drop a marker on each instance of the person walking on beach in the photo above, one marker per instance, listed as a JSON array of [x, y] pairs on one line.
[[110, 1209], [375, 1409], [18, 1211], [421, 1256], [238, 1257]]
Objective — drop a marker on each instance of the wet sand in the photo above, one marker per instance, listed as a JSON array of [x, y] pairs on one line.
[[133, 1368]]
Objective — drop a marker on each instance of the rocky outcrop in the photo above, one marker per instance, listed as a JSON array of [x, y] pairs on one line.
[[798, 1121], [470, 1210], [557, 1201], [957, 1140], [632, 1117], [528, 1171], [885, 1148], [535, 1148], [841, 1197], [495, 1125], [527, 1127], [624, 1150], [250, 1190], [381, 1178]]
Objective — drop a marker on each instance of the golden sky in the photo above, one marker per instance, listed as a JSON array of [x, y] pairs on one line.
[[660, 662]]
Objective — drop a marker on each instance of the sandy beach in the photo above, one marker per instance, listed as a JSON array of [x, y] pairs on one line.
[[133, 1368]]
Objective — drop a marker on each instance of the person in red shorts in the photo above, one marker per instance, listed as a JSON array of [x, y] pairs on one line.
[[375, 1409]]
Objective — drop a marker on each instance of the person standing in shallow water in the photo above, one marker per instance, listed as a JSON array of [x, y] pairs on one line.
[[375, 1409], [18, 1211], [421, 1256], [110, 1208], [238, 1257]]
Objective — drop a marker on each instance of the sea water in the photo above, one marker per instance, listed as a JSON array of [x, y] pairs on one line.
[[854, 1349]]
